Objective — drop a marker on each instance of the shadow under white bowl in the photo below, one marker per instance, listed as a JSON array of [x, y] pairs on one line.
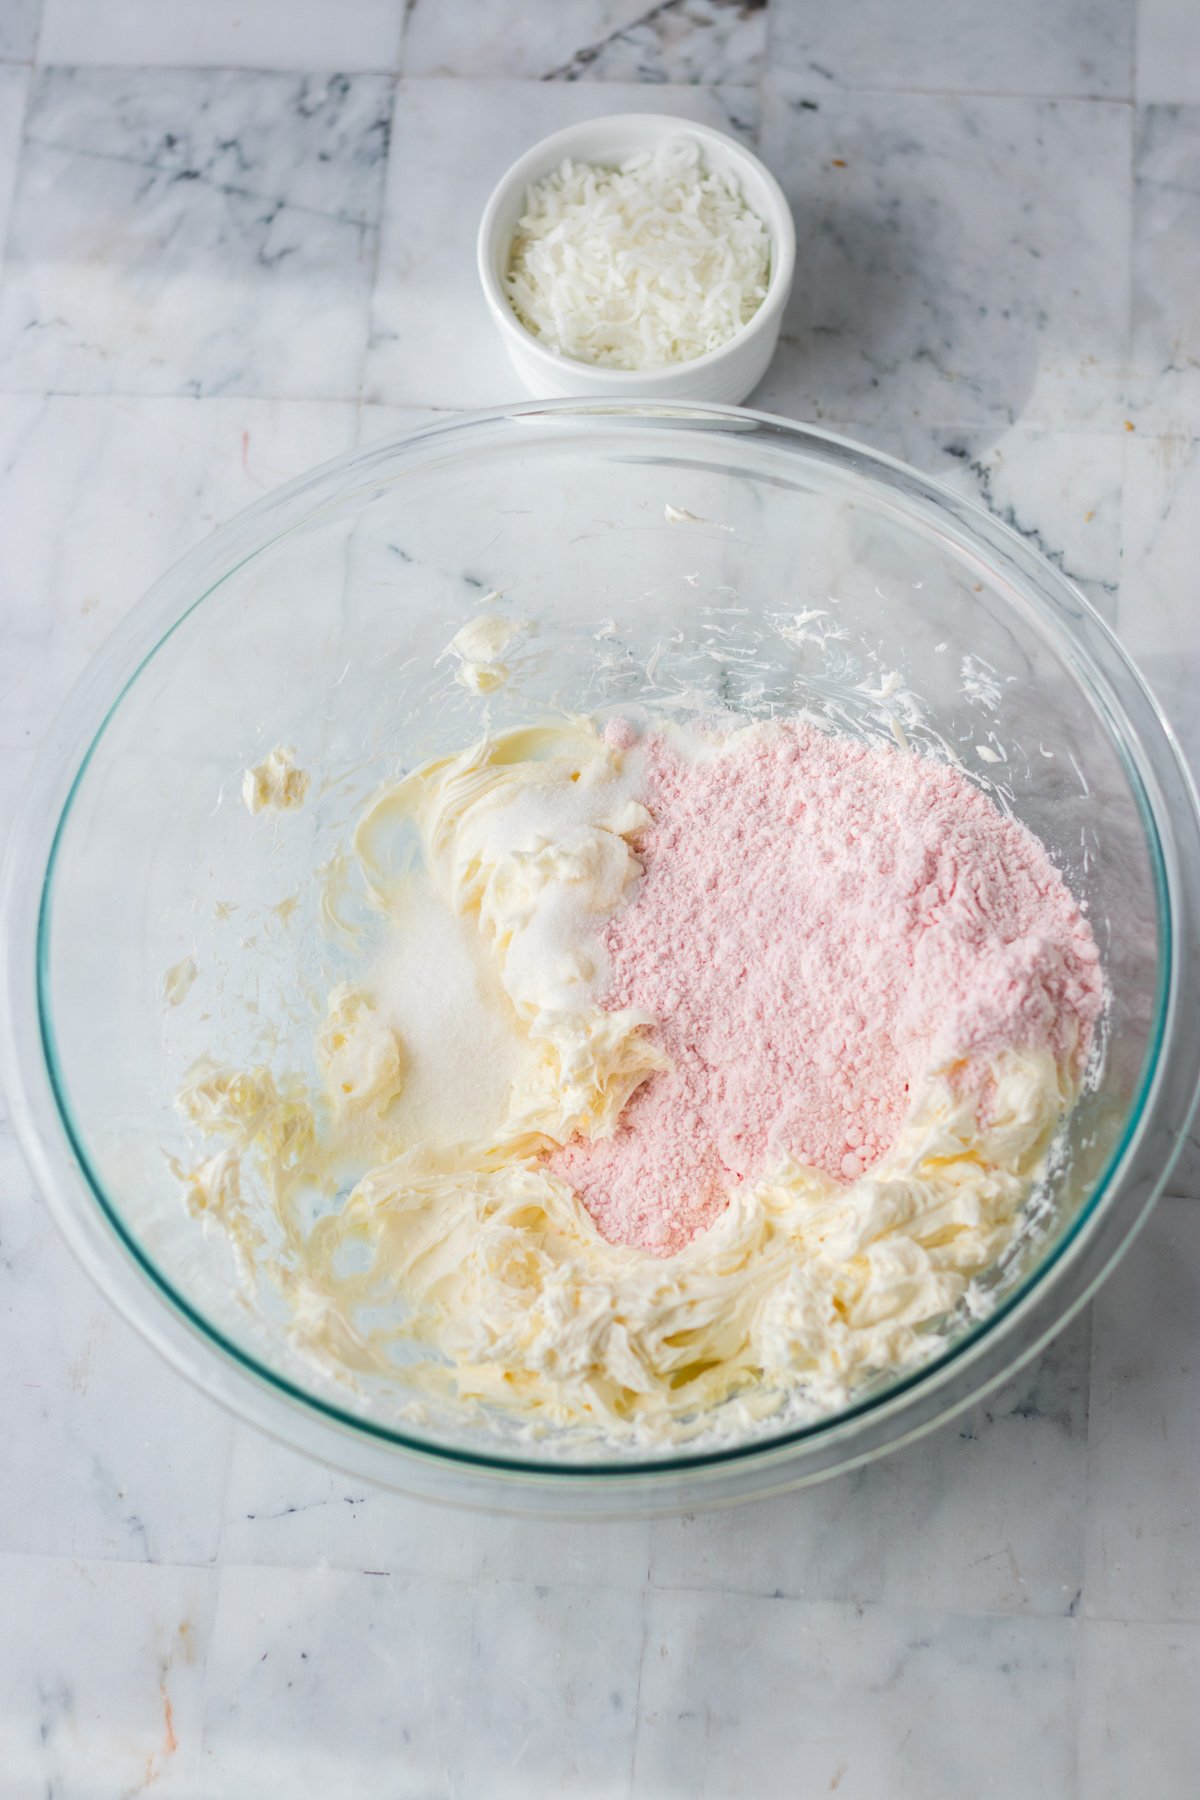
[[725, 375]]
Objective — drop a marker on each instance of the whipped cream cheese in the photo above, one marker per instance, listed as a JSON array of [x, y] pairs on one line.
[[275, 784], [479, 646], [801, 1283], [527, 835]]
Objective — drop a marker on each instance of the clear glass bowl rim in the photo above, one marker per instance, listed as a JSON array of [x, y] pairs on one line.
[[982, 1357]]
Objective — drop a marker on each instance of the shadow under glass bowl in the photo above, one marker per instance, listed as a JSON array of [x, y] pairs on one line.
[[808, 572]]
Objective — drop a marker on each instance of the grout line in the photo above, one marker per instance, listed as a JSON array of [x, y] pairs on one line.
[[244, 396], [1130, 279], [835, 424], [1076, 1709], [218, 66], [6, 224], [635, 1738], [741, 81], [377, 256], [36, 53], [209, 1647], [1081, 1606], [831, 89], [474, 1580], [769, 79]]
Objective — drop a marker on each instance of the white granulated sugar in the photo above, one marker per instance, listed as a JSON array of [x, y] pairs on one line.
[[436, 987], [658, 261]]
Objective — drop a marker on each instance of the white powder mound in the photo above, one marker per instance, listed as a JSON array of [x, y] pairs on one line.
[[656, 262], [436, 988]]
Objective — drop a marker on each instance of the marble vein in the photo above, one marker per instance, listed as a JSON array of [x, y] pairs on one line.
[[696, 41], [1080, 48], [1164, 394], [902, 309], [187, 232], [677, 40]]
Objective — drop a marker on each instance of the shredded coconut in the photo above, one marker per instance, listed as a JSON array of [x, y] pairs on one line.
[[658, 261]]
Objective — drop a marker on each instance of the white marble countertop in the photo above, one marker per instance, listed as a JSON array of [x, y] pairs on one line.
[[222, 263]]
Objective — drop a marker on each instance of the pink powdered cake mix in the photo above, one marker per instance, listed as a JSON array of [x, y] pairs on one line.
[[818, 924]]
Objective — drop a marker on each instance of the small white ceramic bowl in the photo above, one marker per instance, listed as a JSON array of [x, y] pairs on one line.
[[727, 374]]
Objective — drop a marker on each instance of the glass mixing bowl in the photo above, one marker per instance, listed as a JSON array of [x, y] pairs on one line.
[[807, 572]]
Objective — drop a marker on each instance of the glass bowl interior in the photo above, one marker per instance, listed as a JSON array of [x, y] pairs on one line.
[[807, 574]]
